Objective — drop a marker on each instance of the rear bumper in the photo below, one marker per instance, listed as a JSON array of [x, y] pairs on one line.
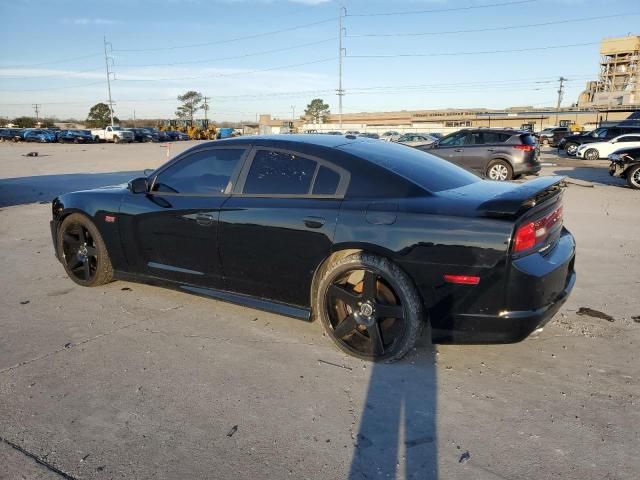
[[527, 168], [538, 285], [507, 327]]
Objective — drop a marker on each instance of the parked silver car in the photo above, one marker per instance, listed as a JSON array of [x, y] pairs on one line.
[[416, 139]]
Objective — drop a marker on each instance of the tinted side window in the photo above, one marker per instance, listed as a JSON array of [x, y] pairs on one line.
[[279, 173], [495, 137], [206, 171], [326, 182], [453, 140], [630, 139]]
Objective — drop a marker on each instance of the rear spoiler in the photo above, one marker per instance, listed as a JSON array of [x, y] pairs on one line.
[[523, 197]]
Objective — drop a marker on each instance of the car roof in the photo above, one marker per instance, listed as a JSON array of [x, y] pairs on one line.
[[330, 141]]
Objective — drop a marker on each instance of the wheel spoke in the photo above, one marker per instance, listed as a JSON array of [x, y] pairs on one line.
[[340, 293], [345, 327], [87, 269], [75, 264], [67, 237], [389, 311], [92, 251], [369, 283], [375, 335], [81, 236]]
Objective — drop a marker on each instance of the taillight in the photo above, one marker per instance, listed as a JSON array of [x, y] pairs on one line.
[[534, 233], [525, 148]]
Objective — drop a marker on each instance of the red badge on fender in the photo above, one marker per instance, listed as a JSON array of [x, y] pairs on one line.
[[110, 218]]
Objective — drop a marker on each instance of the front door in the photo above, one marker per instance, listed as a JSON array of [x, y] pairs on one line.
[[279, 224], [172, 231], [451, 148]]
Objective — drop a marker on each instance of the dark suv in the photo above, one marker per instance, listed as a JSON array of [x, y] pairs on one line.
[[571, 143], [500, 154], [548, 135]]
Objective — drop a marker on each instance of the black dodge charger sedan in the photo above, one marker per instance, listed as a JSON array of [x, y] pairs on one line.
[[372, 238]]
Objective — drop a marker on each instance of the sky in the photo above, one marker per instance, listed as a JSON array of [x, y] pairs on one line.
[[274, 56]]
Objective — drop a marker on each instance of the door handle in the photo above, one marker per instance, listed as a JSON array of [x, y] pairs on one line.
[[491, 149], [204, 219], [458, 150], [314, 222]]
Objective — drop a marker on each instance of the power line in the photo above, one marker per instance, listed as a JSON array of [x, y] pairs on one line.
[[439, 10], [227, 74], [231, 40], [54, 62], [60, 73], [491, 29], [264, 52], [481, 52], [60, 88]]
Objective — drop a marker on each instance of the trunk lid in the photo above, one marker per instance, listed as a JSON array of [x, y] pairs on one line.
[[522, 197]]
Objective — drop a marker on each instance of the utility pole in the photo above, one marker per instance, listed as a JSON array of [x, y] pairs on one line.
[[340, 91], [205, 107], [36, 107], [134, 118], [106, 62], [560, 94]]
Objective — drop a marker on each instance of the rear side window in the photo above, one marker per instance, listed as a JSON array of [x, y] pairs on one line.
[[527, 139], [279, 173], [327, 182], [630, 139], [203, 172], [495, 137]]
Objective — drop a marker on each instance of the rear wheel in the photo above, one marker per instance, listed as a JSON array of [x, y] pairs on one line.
[[369, 307], [83, 252], [499, 170], [545, 141], [633, 177], [571, 148], [592, 154]]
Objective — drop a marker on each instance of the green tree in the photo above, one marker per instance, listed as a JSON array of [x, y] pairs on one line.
[[317, 111], [99, 116], [24, 122], [191, 103]]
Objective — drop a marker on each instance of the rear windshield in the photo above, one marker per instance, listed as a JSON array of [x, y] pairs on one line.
[[528, 139], [423, 169]]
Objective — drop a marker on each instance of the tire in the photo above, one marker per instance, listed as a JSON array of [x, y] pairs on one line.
[[545, 142], [591, 154], [116, 139], [60, 140], [351, 310], [633, 177], [82, 252], [96, 139], [499, 170], [571, 148]]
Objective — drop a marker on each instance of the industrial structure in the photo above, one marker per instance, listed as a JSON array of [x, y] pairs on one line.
[[618, 83]]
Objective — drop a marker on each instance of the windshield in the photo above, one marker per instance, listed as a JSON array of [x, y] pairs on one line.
[[117, 129], [428, 171]]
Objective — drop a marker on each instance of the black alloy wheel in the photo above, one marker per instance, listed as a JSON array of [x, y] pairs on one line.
[[370, 308], [571, 148], [83, 253], [633, 177]]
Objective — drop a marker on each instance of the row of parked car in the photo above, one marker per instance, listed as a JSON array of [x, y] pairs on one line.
[[115, 134]]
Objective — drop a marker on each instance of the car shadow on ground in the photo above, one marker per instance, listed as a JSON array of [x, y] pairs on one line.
[[44, 188], [597, 175], [397, 435]]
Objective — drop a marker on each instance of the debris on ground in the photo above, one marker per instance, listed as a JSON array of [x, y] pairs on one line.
[[24, 302], [126, 289], [233, 430], [334, 364], [67, 345], [590, 312], [464, 458]]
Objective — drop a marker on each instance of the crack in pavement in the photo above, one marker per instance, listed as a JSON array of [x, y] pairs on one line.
[[37, 459], [69, 346]]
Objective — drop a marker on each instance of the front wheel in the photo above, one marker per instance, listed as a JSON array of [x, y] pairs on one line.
[[116, 139], [592, 154], [499, 170], [571, 148], [369, 307], [83, 252], [633, 177]]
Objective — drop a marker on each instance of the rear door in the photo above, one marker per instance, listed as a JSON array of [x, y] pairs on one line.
[[279, 224], [172, 231]]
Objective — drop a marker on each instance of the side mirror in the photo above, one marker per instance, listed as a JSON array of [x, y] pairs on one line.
[[138, 185], [147, 171]]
